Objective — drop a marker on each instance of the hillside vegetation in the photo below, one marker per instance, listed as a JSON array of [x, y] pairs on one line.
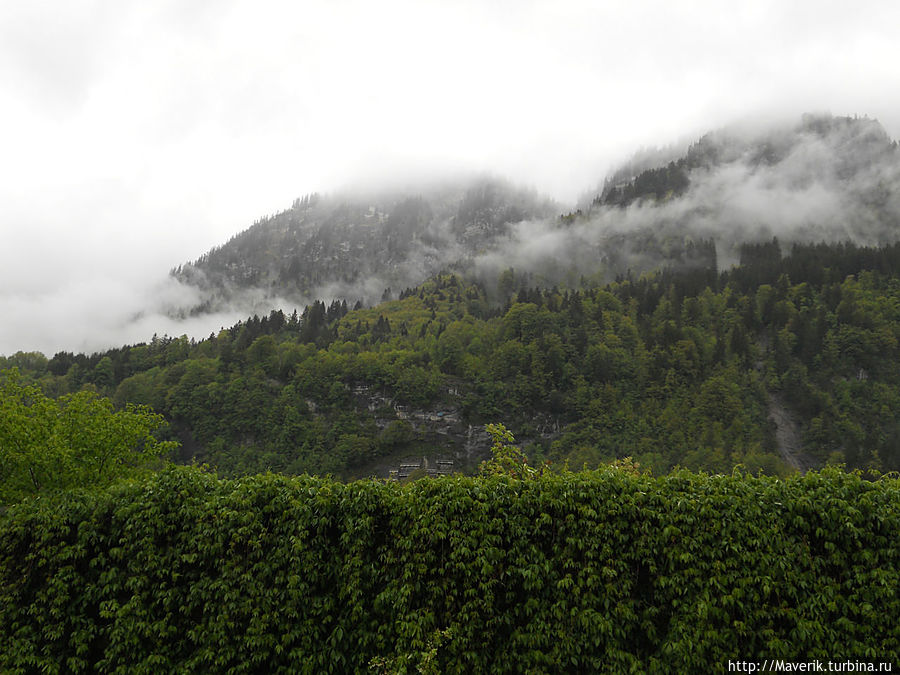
[[675, 368], [553, 325]]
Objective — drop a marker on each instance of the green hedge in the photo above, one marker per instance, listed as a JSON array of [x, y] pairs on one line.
[[604, 571]]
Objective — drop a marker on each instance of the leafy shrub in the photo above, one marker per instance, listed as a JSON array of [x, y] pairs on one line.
[[78, 440], [608, 571]]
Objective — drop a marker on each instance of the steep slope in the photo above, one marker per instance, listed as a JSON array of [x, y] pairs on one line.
[[834, 151], [823, 179], [780, 358], [788, 437], [362, 247]]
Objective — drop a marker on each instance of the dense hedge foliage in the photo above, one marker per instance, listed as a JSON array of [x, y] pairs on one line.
[[605, 571]]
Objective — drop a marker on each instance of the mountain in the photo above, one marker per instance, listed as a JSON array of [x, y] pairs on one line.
[[361, 247], [764, 338], [833, 151], [785, 361], [822, 179]]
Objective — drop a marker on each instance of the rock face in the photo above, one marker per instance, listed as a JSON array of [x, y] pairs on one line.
[[448, 442], [442, 440], [788, 436]]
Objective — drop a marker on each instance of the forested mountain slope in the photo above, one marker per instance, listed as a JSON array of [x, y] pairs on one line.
[[841, 153], [673, 368], [357, 247], [618, 330]]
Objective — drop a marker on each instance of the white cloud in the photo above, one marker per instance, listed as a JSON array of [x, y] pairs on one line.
[[137, 135]]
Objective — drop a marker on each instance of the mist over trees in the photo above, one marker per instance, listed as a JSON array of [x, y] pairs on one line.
[[619, 329], [355, 246], [597, 332], [684, 367], [823, 179]]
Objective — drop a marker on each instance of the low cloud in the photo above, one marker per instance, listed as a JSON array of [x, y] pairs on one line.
[[840, 186], [797, 184], [176, 124], [95, 314]]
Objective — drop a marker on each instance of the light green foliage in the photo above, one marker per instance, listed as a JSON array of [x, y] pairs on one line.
[[78, 440], [506, 459], [425, 662]]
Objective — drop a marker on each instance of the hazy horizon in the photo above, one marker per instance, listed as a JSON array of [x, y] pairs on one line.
[[137, 137]]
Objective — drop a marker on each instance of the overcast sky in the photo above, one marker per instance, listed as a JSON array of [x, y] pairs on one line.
[[135, 135]]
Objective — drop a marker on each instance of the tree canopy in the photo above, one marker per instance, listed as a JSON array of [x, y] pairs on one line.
[[77, 440]]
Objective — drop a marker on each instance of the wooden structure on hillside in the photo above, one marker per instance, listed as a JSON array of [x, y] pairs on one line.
[[441, 467]]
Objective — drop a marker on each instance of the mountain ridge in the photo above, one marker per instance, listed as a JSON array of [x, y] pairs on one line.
[[823, 178], [357, 247]]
